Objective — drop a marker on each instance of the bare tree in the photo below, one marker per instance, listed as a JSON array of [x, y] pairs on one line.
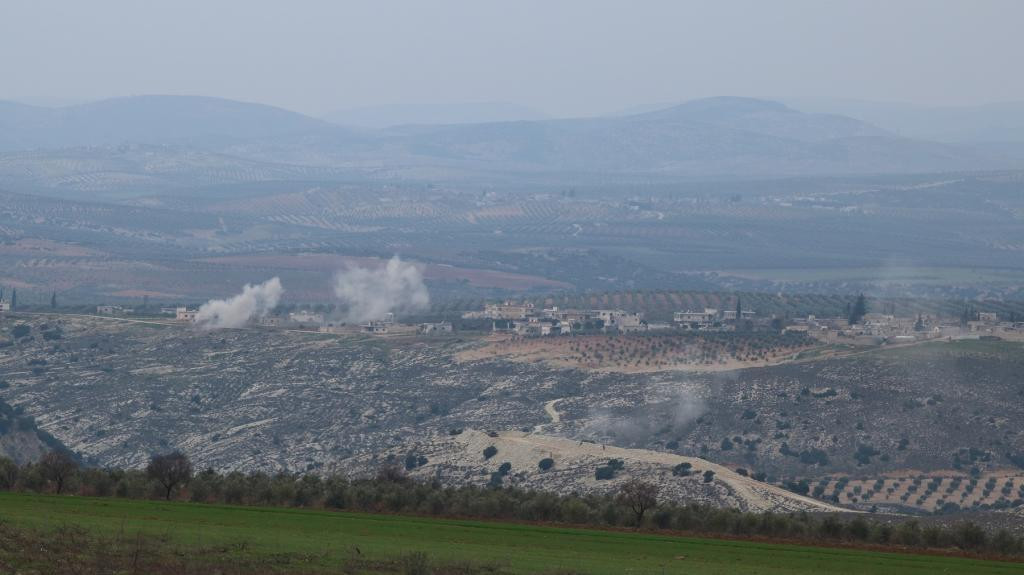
[[58, 467], [640, 496], [170, 470]]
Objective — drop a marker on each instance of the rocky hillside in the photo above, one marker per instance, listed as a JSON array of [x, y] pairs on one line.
[[544, 462], [20, 439]]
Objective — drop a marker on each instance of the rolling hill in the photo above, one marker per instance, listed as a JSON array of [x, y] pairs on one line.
[[710, 137], [181, 120], [714, 137]]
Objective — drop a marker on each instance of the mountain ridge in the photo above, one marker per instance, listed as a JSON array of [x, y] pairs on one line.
[[706, 137]]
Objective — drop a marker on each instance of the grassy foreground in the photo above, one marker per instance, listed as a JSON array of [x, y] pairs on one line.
[[320, 541]]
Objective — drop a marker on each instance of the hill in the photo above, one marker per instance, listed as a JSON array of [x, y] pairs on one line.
[[715, 136], [994, 122], [20, 439], [384, 116], [192, 120], [711, 137]]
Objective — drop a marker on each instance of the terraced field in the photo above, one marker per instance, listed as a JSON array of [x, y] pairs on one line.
[[642, 353], [945, 491]]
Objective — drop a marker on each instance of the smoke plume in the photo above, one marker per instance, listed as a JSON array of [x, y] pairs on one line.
[[255, 302], [370, 293], [638, 425]]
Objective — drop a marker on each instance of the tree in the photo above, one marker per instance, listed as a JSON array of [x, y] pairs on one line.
[[739, 314], [58, 467], [170, 470], [860, 309], [8, 473], [490, 451], [919, 324], [639, 496], [14, 298]]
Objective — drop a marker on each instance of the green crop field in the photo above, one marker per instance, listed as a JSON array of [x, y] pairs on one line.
[[324, 539]]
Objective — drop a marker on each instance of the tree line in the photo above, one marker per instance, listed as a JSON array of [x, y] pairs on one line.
[[636, 504]]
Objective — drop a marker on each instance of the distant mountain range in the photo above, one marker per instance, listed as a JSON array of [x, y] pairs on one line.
[[724, 136], [386, 116], [996, 122], [178, 120]]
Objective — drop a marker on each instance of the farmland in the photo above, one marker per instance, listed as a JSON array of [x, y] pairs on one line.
[[306, 541], [659, 246]]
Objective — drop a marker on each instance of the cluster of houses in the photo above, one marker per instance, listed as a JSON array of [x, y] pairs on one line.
[[114, 310], [8, 304], [315, 321], [877, 328], [385, 325], [526, 320]]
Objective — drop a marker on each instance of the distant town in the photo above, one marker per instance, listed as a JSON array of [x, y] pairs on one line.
[[525, 319]]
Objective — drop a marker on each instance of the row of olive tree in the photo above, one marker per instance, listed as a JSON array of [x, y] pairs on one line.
[[58, 470], [634, 504]]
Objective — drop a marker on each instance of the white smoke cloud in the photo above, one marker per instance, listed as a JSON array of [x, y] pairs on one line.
[[370, 293], [638, 425], [255, 302]]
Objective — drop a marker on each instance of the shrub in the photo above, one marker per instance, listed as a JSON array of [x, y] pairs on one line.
[[490, 451], [415, 563], [709, 476], [546, 463], [682, 470]]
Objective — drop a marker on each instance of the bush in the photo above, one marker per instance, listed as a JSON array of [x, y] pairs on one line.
[[604, 472], [683, 469], [709, 476], [546, 463], [415, 563], [490, 451]]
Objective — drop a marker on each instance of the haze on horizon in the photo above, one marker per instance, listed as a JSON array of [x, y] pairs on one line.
[[571, 58]]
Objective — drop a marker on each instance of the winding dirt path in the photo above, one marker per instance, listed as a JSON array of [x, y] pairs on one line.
[[554, 414]]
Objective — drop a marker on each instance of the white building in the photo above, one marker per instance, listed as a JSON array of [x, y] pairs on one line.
[[306, 317], [706, 317], [619, 320], [439, 327], [185, 314], [508, 310]]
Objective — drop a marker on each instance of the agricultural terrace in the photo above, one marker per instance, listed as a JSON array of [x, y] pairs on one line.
[[647, 352], [940, 491]]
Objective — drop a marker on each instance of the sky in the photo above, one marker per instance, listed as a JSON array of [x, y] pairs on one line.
[[561, 57]]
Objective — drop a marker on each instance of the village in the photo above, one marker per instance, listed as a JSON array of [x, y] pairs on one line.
[[526, 319]]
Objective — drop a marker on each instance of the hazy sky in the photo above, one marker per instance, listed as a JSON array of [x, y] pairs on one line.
[[561, 57]]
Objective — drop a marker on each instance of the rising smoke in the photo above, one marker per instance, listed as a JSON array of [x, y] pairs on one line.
[[637, 426], [255, 302], [370, 293]]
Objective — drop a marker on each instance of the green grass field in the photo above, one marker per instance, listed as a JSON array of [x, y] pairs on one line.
[[329, 537]]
